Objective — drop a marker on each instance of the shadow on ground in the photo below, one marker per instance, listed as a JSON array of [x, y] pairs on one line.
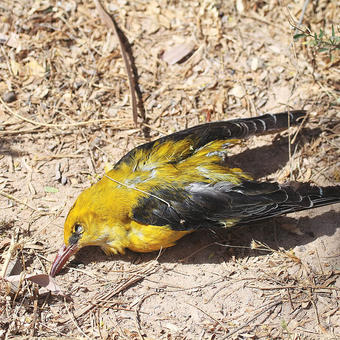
[[265, 160]]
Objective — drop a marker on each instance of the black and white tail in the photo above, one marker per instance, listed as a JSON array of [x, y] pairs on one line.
[[240, 128], [289, 198]]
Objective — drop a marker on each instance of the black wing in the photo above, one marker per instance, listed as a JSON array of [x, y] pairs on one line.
[[202, 205]]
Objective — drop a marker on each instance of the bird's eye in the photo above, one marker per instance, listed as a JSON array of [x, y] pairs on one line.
[[78, 228]]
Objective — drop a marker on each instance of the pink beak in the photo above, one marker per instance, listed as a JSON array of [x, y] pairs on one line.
[[64, 253]]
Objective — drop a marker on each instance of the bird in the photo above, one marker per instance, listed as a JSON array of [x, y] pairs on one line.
[[177, 184]]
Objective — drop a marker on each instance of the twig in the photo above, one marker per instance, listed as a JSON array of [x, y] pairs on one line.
[[142, 191], [88, 122], [184, 259], [35, 310], [97, 316], [10, 197], [73, 319], [57, 156], [93, 163], [254, 318], [222, 245], [109, 21], [155, 128], [290, 299], [316, 312], [18, 132], [211, 317], [302, 14], [128, 283], [137, 318], [138, 328], [7, 61], [8, 256], [295, 287], [299, 128], [253, 15], [55, 330], [320, 265]]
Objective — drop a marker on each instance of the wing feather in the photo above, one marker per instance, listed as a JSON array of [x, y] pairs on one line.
[[203, 205]]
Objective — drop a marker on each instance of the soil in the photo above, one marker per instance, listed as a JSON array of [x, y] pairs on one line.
[[65, 115]]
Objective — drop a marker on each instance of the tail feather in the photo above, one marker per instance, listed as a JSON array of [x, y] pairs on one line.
[[240, 128], [299, 198], [320, 196]]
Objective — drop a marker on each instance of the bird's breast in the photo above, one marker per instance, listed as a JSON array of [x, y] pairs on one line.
[[145, 238]]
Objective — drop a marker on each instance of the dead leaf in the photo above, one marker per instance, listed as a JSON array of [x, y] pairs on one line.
[[240, 6], [308, 175], [237, 91], [41, 92], [178, 52], [6, 241], [13, 41], [46, 282], [255, 64], [35, 69], [15, 281], [15, 67], [3, 37]]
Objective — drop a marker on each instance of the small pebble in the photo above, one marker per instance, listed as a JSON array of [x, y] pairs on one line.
[[63, 180], [57, 175], [78, 84], [58, 172], [9, 97]]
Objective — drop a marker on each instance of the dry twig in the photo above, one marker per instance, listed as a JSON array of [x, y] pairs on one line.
[[109, 21]]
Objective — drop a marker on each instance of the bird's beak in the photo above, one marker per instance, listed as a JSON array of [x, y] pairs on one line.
[[64, 253]]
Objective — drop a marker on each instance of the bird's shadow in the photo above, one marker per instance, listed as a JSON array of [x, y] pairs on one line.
[[265, 160]]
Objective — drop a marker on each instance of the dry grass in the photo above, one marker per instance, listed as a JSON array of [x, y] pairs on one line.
[[66, 114]]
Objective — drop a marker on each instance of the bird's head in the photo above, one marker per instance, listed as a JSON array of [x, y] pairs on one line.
[[91, 221], [79, 231]]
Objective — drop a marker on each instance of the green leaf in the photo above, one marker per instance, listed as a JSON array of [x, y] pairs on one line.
[[284, 324], [333, 31], [298, 36], [51, 189], [321, 33]]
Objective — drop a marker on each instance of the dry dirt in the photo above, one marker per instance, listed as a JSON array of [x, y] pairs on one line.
[[70, 115]]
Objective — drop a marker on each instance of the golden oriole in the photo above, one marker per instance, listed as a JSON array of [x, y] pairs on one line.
[[165, 189]]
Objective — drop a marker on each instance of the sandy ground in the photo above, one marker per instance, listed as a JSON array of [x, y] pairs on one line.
[[65, 114]]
